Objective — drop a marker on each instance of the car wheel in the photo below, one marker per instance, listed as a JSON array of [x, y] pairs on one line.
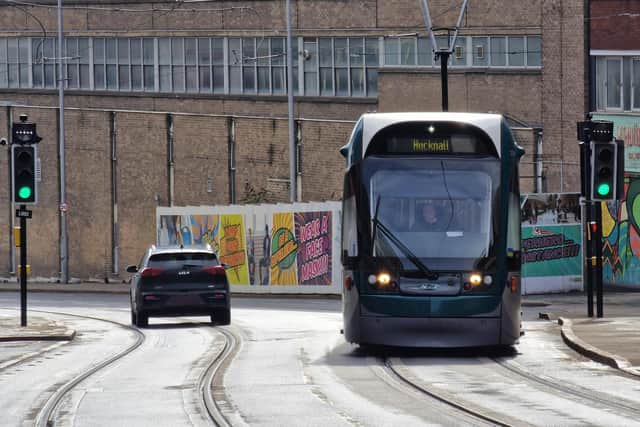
[[143, 320], [221, 317]]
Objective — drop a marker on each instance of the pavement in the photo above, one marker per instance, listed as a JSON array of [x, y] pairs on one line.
[[613, 340]]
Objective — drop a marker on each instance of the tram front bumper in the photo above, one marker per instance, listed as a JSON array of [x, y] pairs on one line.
[[430, 332], [462, 321]]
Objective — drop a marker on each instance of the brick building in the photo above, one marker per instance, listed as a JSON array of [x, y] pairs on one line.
[[184, 103], [615, 95]]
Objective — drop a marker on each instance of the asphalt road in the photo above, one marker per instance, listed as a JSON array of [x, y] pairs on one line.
[[292, 367]]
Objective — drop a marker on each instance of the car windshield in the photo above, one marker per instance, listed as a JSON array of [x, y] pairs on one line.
[[441, 211], [181, 258]]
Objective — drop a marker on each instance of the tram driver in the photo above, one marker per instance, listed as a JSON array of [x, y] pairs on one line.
[[430, 216]]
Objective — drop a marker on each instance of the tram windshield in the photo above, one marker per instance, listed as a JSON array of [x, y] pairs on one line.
[[439, 209]]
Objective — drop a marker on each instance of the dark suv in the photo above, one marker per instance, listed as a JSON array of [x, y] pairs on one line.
[[179, 281]]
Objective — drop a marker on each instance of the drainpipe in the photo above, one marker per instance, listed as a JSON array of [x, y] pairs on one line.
[[115, 241], [298, 161], [538, 159], [231, 131], [12, 222], [170, 159]]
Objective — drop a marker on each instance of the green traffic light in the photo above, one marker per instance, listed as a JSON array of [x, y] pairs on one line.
[[603, 189], [24, 192]]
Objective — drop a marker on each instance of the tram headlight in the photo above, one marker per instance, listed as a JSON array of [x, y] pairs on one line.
[[382, 281], [477, 281]]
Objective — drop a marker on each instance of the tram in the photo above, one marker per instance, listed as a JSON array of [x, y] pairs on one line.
[[431, 231]]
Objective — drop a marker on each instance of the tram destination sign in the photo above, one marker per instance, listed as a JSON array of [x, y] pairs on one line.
[[418, 146], [431, 145]]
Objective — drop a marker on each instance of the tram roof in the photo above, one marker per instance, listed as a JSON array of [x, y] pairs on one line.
[[375, 122]]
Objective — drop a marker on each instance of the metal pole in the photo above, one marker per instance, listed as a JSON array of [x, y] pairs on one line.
[[598, 255], [427, 22], [589, 254], [458, 22], [23, 268], [538, 159], [444, 59], [292, 141], [64, 277]]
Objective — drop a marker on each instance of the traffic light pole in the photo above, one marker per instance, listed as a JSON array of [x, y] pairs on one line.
[[589, 254], [598, 257], [23, 268]]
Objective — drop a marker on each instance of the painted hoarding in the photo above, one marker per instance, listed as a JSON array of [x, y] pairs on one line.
[[267, 248], [551, 243]]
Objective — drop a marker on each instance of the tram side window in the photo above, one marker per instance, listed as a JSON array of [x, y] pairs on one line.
[[349, 227], [513, 232]]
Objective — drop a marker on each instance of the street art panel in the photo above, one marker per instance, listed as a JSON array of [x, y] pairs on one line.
[[258, 248], [621, 236], [313, 235], [189, 230], [283, 250], [231, 246], [551, 242], [266, 248], [225, 234]]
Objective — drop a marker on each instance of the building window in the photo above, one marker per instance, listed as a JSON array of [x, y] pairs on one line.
[[613, 83], [340, 66], [617, 83], [15, 62], [516, 53], [498, 49], [43, 63], [237, 65], [534, 51], [478, 51], [459, 57], [425, 51]]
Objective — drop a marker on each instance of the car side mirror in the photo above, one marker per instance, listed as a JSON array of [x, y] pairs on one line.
[[225, 266], [132, 269]]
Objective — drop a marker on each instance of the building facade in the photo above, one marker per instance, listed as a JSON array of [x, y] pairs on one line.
[[615, 96], [185, 103]]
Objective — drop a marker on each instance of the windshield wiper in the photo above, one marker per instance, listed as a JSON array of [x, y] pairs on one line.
[[405, 250]]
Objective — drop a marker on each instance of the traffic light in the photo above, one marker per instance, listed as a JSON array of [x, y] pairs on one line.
[[24, 133], [23, 163], [604, 170]]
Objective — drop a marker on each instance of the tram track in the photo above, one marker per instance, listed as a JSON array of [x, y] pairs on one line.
[[46, 415], [579, 393], [394, 369], [210, 381], [206, 383]]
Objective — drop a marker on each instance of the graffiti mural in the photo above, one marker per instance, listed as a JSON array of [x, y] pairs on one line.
[[313, 233], [232, 249], [265, 248], [189, 230], [283, 250], [621, 235], [225, 234], [551, 242]]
